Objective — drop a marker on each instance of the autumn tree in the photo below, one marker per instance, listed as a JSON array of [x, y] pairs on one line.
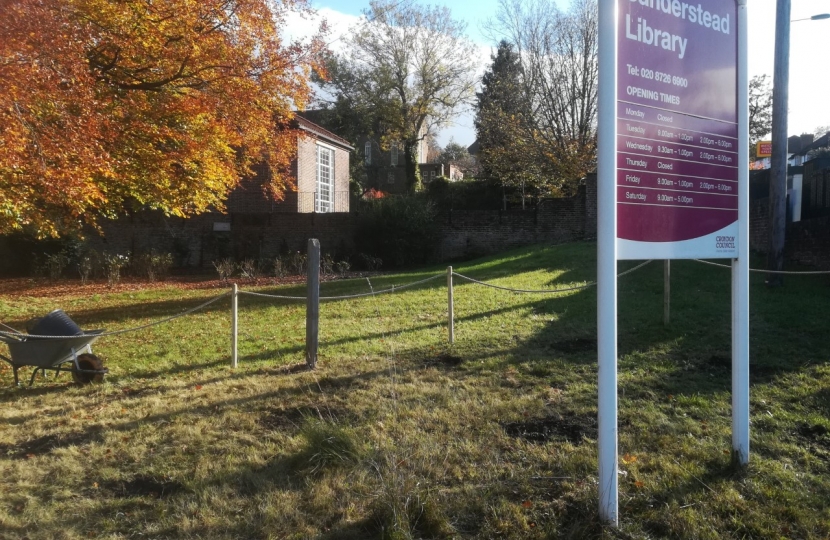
[[111, 106], [557, 51], [410, 68]]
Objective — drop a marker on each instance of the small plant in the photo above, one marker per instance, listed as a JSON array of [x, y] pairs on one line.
[[86, 263], [153, 265], [342, 267], [297, 263], [113, 263], [327, 264], [371, 263], [55, 263], [280, 267], [225, 268], [250, 268], [328, 446]]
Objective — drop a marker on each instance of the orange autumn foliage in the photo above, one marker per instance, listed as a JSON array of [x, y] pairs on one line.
[[109, 106]]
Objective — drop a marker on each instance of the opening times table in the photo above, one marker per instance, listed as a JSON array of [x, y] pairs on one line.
[[674, 168]]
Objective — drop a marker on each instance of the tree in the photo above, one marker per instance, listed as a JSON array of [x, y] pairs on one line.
[[109, 106], [457, 155], [504, 124], [453, 152], [760, 110], [410, 67], [557, 52]]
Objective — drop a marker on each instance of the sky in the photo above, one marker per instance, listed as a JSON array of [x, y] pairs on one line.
[[809, 107]]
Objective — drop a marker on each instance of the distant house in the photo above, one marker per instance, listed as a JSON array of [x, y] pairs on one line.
[[808, 177], [386, 167], [321, 171], [431, 171]]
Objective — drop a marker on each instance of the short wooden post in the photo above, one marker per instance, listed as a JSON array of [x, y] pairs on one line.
[[312, 312], [234, 325], [666, 292], [450, 306]]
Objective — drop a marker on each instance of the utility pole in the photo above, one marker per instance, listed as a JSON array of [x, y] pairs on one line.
[[778, 160]]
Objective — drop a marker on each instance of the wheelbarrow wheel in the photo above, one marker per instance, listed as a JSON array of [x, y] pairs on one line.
[[88, 362]]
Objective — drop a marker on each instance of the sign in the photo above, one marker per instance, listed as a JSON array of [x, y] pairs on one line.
[[763, 149], [673, 176], [221, 226], [677, 129]]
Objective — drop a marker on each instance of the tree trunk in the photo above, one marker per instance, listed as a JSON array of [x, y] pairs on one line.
[[411, 166]]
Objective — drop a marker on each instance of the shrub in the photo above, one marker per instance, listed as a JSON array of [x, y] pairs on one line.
[[280, 267], [54, 264], [113, 263], [225, 267], [401, 230], [297, 262], [342, 267], [326, 264], [250, 268], [153, 265]]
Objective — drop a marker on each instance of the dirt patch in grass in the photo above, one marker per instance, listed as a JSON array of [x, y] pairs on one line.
[[444, 360], [47, 443], [143, 486], [569, 427], [293, 418]]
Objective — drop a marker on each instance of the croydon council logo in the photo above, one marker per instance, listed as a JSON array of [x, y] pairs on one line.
[[724, 243]]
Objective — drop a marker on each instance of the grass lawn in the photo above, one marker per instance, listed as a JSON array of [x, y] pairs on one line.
[[398, 435]]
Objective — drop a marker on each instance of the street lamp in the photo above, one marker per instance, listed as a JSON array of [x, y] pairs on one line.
[[814, 17], [778, 160]]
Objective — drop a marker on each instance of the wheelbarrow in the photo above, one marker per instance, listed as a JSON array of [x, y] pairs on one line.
[[71, 353]]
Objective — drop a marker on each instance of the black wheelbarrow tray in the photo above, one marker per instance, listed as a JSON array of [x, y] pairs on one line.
[[54, 353]]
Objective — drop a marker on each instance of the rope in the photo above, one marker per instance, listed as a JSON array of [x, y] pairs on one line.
[[762, 271], [547, 291], [394, 288], [125, 330], [390, 290], [263, 295]]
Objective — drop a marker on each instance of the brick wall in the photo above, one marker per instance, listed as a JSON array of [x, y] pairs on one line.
[[469, 233], [195, 244], [807, 241]]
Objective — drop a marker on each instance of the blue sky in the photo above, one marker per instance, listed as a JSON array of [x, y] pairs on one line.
[[809, 75]]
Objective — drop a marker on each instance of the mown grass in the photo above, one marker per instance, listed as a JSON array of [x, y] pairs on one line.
[[399, 435]]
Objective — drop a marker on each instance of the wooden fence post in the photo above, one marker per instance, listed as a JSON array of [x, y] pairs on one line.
[[312, 312], [450, 306], [234, 325]]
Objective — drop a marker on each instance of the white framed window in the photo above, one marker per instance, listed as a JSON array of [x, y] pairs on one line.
[[324, 194], [390, 178], [432, 175], [394, 154], [367, 152]]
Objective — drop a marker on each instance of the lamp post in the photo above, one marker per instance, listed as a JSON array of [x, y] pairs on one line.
[[778, 160]]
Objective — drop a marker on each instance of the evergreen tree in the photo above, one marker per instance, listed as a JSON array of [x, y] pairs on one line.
[[504, 125]]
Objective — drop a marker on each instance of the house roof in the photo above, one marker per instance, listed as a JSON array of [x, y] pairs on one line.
[[307, 125], [821, 142]]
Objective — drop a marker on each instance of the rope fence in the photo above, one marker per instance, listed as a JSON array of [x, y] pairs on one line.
[[312, 298], [762, 271]]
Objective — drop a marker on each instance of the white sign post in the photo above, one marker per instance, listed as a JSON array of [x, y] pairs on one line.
[[673, 174]]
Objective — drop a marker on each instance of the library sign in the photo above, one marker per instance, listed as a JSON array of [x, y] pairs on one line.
[[677, 129]]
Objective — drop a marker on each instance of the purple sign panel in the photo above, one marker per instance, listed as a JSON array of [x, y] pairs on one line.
[[677, 131]]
